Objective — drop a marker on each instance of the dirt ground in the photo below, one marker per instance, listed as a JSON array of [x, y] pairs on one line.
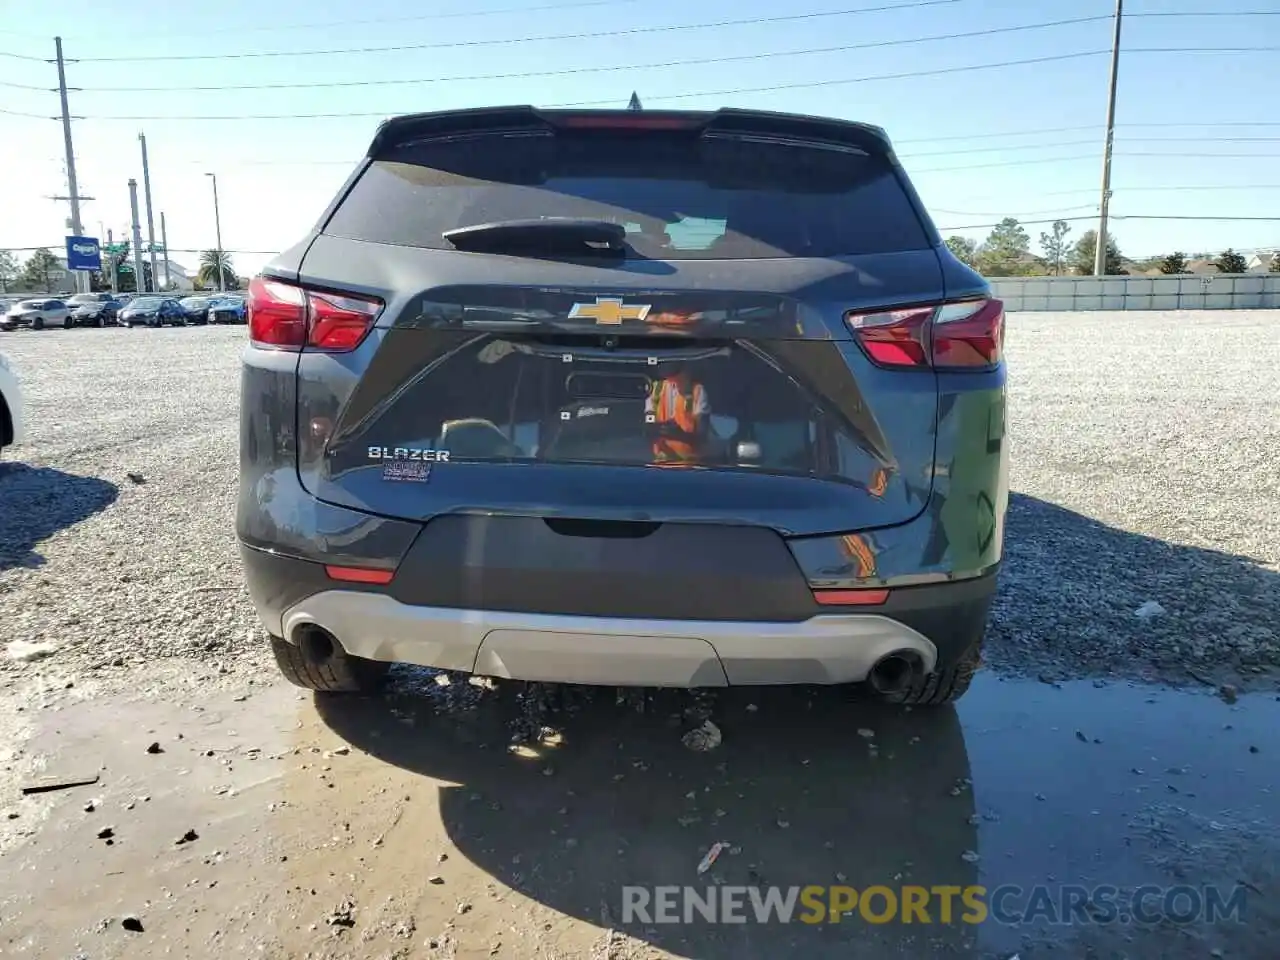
[[1098, 749], [408, 826]]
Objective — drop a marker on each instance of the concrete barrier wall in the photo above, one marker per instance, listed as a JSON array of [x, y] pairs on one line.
[[1222, 291]]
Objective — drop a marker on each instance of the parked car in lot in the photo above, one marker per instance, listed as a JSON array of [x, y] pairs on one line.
[[227, 310], [93, 309], [36, 314], [733, 414], [195, 309], [153, 312], [11, 412]]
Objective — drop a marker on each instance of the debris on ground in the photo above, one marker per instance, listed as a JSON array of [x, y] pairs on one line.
[[1228, 693], [52, 782], [189, 837], [703, 738], [865, 733], [131, 923], [1148, 610], [106, 833], [155, 748], [712, 855], [25, 651], [970, 856], [344, 915], [136, 477], [1081, 737]]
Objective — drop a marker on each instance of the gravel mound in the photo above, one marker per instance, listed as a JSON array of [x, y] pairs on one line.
[[1143, 470]]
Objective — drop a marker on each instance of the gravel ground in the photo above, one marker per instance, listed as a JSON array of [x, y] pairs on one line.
[[1144, 451], [100, 570]]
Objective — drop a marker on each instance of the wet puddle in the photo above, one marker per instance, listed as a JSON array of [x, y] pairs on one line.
[[379, 827]]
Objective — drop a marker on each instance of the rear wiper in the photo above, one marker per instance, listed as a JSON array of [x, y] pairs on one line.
[[559, 235]]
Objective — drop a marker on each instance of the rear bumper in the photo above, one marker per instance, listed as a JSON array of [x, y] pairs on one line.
[[614, 651], [938, 622]]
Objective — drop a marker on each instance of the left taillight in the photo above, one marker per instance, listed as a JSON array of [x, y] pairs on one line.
[[963, 335], [287, 316]]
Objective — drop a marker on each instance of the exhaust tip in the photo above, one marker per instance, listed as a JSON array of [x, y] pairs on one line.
[[894, 672], [317, 644]]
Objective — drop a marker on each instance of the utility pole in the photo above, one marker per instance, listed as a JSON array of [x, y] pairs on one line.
[[76, 227], [151, 226], [217, 226], [137, 238], [1100, 255], [164, 245], [111, 260]]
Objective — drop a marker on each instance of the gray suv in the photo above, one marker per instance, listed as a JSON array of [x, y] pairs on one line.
[[626, 398]]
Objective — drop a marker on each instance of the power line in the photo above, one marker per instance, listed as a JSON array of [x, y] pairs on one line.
[[1012, 213], [277, 28], [1131, 216], [607, 68], [990, 65], [459, 15], [578, 36], [492, 41]]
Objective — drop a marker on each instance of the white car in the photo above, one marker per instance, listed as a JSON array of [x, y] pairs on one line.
[[10, 406], [37, 314]]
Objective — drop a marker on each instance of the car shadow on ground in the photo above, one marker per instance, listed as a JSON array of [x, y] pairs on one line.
[[37, 502], [1071, 587], [808, 788]]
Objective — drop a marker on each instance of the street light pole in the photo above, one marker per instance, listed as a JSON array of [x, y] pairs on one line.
[[1100, 254], [217, 226], [77, 228], [151, 224]]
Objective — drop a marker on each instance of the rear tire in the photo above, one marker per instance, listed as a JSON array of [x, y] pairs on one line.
[[338, 673], [943, 686], [37, 323]]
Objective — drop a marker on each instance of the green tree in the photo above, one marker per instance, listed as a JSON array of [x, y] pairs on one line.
[[37, 272], [1005, 251], [1231, 262], [1275, 262], [1175, 262], [211, 263], [966, 250], [1055, 246], [8, 270], [1086, 247]]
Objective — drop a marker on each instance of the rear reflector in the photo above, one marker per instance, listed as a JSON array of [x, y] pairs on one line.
[[291, 317], [965, 335], [359, 574], [851, 598]]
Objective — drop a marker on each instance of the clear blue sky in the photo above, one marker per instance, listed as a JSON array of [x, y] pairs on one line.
[[1198, 133]]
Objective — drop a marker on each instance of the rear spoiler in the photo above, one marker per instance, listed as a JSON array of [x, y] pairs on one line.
[[402, 130]]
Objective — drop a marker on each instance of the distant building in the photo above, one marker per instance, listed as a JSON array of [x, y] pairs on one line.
[[1261, 261]]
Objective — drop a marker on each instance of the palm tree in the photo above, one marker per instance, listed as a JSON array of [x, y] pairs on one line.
[[211, 263]]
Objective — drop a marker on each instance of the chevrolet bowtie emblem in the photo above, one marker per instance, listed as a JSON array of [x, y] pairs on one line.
[[609, 311]]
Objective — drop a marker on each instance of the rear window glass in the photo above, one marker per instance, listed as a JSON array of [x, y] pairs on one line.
[[719, 405], [679, 197]]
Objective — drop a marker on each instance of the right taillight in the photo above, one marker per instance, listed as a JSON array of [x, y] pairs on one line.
[[964, 335], [289, 317]]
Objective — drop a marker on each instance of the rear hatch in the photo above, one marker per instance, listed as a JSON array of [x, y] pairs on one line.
[[616, 316]]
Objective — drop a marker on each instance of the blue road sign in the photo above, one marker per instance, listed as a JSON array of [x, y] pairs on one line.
[[84, 253]]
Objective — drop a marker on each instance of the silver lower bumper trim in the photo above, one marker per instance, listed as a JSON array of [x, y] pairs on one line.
[[826, 649]]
